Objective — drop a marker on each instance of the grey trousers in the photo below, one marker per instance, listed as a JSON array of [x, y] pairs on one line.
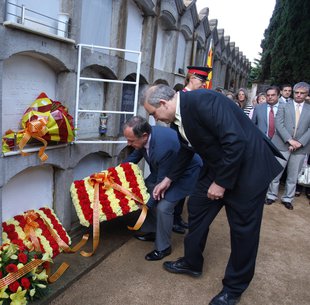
[[294, 164], [160, 220]]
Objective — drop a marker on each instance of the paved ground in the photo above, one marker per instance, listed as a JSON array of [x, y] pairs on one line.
[[122, 276]]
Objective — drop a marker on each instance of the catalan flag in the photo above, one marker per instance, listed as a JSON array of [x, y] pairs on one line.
[[210, 65]]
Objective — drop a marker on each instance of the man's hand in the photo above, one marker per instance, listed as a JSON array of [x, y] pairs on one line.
[[215, 191], [294, 145], [160, 189]]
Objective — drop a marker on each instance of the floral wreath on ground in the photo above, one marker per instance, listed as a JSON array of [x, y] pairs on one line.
[[14, 232], [28, 287], [113, 203]]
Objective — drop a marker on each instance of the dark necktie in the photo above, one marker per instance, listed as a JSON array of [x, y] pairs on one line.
[[271, 127]]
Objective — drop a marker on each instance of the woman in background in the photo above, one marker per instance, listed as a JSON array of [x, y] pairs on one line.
[[242, 99]]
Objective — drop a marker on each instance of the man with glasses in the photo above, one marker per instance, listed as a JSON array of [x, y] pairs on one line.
[[196, 78], [292, 138]]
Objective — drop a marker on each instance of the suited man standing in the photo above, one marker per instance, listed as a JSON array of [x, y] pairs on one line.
[[264, 114], [292, 138], [238, 165], [159, 145], [286, 92]]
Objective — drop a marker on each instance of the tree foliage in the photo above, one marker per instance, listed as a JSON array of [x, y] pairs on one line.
[[256, 71], [286, 45]]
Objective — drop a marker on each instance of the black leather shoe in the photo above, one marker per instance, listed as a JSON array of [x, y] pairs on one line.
[[183, 224], [180, 266], [223, 298], [288, 205], [178, 229], [146, 237], [269, 201], [156, 255]]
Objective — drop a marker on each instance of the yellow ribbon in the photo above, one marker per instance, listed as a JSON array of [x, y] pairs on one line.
[[14, 276], [106, 181], [62, 244], [35, 129]]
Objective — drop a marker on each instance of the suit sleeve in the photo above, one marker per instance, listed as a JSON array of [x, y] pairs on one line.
[[280, 124], [134, 157], [162, 160], [254, 117], [226, 144]]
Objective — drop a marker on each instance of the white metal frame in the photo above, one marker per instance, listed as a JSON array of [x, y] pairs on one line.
[[79, 79]]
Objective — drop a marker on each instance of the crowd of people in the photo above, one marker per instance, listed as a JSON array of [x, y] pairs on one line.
[[274, 113], [219, 151]]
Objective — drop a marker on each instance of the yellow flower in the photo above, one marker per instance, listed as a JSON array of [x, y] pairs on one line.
[[42, 276], [41, 285], [32, 292], [3, 294], [18, 298], [46, 257]]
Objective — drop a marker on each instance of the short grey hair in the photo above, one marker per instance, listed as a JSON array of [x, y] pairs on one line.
[[153, 95], [301, 85]]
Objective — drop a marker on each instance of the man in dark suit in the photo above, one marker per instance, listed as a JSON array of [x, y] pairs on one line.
[[238, 165], [159, 145]]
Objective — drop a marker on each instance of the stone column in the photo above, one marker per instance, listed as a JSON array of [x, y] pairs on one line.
[[223, 73], [227, 78], [62, 198], [1, 210], [216, 72]]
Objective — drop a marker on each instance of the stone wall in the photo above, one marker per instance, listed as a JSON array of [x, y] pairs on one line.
[[55, 56]]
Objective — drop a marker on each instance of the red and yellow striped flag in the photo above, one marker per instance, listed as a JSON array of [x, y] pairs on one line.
[[210, 65]]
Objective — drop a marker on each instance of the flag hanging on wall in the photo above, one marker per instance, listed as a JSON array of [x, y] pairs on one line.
[[210, 65]]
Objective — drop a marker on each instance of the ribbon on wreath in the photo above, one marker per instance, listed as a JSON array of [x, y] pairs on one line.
[[30, 217], [106, 181], [35, 129], [14, 276], [29, 229]]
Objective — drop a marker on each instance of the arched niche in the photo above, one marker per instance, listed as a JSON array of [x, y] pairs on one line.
[[24, 78], [30, 189], [160, 81], [93, 96], [92, 163], [128, 96]]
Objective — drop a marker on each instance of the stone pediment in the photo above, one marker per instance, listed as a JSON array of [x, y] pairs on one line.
[[147, 6], [169, 14]]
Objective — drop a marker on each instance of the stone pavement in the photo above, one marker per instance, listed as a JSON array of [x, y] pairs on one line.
[[118, 274]]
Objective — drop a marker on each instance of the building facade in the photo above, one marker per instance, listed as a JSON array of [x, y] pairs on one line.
[[94, 56]]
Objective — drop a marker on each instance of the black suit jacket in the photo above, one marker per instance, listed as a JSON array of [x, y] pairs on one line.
[[236, 155]]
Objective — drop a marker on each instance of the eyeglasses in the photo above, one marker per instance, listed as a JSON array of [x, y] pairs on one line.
[[196, 77], [300, 92]]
